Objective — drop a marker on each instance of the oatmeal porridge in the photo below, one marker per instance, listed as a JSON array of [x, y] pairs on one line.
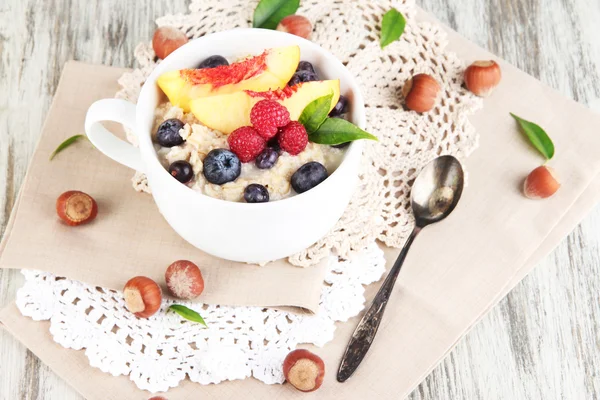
[[200, 140]]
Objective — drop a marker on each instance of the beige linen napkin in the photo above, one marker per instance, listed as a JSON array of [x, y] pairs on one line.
[[129, 237], [456, 271]]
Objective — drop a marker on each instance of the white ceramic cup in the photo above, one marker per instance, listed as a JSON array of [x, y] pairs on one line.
[[234, 231]]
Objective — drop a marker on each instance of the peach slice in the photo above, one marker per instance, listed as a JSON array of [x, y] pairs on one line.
[[271, 70], [228, 112]]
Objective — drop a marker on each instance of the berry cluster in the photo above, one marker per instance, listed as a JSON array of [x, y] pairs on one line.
[[270, 121]]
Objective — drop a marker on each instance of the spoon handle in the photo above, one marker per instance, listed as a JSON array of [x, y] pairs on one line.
[[363, 336]]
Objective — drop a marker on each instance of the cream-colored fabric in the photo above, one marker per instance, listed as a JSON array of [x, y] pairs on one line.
[[408, 140]]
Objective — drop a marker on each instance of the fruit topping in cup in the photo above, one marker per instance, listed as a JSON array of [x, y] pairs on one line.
[[221, 166], [76, 208], [267, 116], [255, 193], [308, 176], [340, 108], [306, 66], [228, 112], [270, 70], [213, 62], [293, 138], [267, 159], [182, 171], [167, 134], [274, 144], [303, 76], [246, 143]]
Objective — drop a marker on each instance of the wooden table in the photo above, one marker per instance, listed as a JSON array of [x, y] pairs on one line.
[[541, 342]]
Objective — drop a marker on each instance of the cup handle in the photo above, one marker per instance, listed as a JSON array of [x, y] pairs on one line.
[[115, 110]]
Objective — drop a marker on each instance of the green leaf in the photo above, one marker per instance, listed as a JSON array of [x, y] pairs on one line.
[[65, 144], [392, 27], [338, 131], [537, 136], [269, 13], [315, 113], [188, 314]]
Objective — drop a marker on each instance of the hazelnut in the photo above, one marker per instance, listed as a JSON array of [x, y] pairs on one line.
[[304, 370], [421, 93], [76, 208], [184, 280], [541, 183], [482, 77], [296, 25], [166, 40], [142, 296]]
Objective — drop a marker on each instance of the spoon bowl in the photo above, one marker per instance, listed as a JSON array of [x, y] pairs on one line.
[[436, 191], [434, 195]]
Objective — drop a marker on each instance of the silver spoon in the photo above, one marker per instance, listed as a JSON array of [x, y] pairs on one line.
[[434, 196]]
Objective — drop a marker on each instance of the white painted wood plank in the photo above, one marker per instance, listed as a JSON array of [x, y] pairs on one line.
[[542, 341]]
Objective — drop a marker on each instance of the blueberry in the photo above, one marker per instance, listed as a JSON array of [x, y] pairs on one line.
[[256, 193], [306, 66], [341, 145], [274, 144], [221, 166], [340, 108], [302, 76], [267, 158], [213, 62], [167, 134], [182, 171], [308, 176]]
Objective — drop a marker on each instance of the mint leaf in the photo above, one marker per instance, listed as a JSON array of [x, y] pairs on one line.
[[537, 136], [65, 144], [187, 313], [392, 27], [338, 131], [315, 113], [269, 13]]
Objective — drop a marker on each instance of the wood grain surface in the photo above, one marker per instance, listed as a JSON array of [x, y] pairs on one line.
[[541, 342]]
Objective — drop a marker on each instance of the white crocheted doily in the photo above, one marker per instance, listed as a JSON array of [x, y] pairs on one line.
[[157, 353], [350, 30]]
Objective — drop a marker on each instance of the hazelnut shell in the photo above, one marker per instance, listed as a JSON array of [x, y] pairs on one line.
[[166, 40], [421, 93], [184, 280], [304, 370], [76, 208], [296, 25], [143, 296], [541, 183], [482, 77]]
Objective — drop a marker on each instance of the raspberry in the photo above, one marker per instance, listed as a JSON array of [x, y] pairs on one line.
[[268, 115], [246, 143], [293, 138]]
